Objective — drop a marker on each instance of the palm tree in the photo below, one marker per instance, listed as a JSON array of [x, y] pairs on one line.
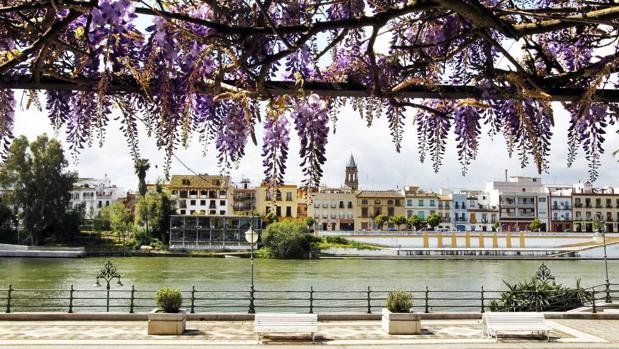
[[141, 167]]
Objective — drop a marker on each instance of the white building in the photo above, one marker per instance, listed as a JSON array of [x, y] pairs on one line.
[[95, 194], [520, 200]]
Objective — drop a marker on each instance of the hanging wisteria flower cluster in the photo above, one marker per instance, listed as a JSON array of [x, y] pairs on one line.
[[217, 69]]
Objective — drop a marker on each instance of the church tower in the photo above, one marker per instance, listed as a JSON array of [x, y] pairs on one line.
[[352, 181]]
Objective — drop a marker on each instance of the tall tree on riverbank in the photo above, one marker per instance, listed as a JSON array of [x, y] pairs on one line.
[[39, 184]]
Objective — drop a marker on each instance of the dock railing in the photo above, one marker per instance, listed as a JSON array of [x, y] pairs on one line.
[[131, 299]]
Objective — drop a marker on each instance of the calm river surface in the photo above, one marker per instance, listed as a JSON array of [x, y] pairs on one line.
[[338, 275]]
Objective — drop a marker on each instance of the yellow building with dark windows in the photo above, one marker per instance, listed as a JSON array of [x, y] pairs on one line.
[[285, 203], [371, 203]]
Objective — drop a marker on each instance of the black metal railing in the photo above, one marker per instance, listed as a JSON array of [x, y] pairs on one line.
[[310, 300]]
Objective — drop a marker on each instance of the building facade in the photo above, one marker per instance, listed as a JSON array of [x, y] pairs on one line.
[[333, 209], [371, 203], [201, 195], [560, 205], [283, 200], [590, 204], [419, 203], [243, 198], [520, 200], [94, 194]]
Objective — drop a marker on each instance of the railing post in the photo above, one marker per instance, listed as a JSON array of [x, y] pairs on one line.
[[311, 300], [8, 298], [483, 309], [593, 300], [131, 304], [427, 300], [608, 299], [252, 308], [369, 300], [193, 299], [71, 299], [107, 298]]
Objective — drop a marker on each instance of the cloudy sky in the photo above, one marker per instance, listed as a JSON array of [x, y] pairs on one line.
[[380, 167]]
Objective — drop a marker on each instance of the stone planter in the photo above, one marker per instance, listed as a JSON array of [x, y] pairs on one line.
[[166, 323], [401, 323]]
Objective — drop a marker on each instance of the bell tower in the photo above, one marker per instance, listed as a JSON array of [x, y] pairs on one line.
[[352, 181]]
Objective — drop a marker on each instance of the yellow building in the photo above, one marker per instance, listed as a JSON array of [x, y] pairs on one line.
[[590, 204], [200, 194], [371, 203], [285, 203], [444, 210]]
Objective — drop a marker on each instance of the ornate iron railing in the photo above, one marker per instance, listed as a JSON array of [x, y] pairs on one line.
[[311, 300]]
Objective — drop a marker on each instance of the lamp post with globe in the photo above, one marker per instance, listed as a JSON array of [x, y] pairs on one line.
[[252, 237], [600, 238]]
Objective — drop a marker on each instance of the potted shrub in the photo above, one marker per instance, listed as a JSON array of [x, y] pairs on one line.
[[398, 316], [168, 317]]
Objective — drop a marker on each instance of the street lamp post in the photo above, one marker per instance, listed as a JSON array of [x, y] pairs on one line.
[[108, 273], [600, 237], [252, 237]]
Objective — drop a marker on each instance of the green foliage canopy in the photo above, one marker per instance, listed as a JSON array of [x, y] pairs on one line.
[[37, 174]]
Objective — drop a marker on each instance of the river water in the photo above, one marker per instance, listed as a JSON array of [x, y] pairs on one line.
[[233, 275]]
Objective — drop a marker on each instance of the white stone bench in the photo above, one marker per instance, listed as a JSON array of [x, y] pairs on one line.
[[499, 322], [285, 323]]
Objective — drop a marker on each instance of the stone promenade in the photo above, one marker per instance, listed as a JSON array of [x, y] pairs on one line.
[[453, 334]]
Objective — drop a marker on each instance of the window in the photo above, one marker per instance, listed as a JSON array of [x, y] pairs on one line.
[[365, 202], [376, 202], [202, 202], [182, 211], [390, 211], [174, 191], [192, 211], [288, 196], [222, 193], [185, 182], [349, 204], [420, 202], [421, 214], [364, 212], [389, 202], [222, 202], [183, 194], [432, 203], [540, 200], [222, 212], [409, 202], [203, 192], [288, 211], [524, 190], [325, 203], [99, 204], [192, 202], [397, 202], [193, 192], [107, 203], [341, 204], [317, 203], [278, 211], [333, 203]]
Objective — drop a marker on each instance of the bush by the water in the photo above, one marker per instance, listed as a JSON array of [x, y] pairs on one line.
[[169, 299], [287, 240], [399, 301], [340, 242], [541, 294]]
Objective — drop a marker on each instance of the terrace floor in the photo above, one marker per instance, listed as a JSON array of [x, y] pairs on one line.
[[453, 334]]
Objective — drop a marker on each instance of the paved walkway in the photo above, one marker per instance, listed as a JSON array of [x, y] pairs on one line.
[[454, 334]]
